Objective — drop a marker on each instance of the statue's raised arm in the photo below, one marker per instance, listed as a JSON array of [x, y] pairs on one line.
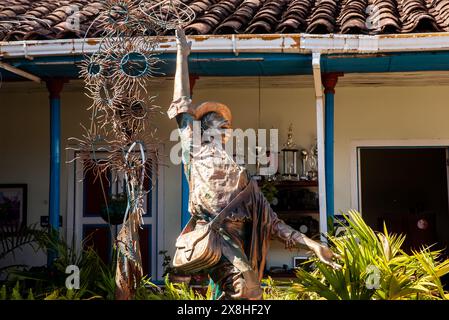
[[181, 106], [182, 86]]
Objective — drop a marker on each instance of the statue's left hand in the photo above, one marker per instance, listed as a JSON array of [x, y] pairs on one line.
[[323, 253], [181, 42], [326, 255]]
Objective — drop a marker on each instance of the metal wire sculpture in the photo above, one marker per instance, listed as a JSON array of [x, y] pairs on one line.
[[168, 14], [116, 79]]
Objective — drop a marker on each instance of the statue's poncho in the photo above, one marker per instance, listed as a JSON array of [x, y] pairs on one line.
[[214, 180]]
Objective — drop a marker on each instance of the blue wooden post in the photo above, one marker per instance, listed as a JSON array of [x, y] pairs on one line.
[[54, 87], [185, 214], [329, 151], [329, 83]]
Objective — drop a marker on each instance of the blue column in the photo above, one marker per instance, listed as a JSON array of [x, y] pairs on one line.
[[54, 87], [329, 152], [329, 83], [185, 215]]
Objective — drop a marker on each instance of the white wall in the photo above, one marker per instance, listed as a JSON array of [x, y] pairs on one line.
[[384, 113], [368, 113]]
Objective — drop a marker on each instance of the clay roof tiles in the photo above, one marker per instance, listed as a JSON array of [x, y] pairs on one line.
[[50, 19]]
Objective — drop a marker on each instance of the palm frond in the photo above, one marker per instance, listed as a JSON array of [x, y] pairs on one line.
[[14, 237]]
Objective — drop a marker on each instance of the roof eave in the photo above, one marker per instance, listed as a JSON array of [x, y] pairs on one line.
[[267, 43]]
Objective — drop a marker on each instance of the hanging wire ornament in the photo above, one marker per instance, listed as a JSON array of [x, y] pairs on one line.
[[89, 151], [168, 14], [107, 101], [134, 116], [134, 63], [122, 16], [122, 137], [93, 69]]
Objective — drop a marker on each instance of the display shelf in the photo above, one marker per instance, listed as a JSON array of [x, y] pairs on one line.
[[291, 183], [295, 213]]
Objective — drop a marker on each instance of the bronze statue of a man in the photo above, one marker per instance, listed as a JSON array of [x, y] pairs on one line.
[[215, 180]]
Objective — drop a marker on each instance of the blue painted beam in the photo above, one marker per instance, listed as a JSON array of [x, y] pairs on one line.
[[201, 64], [391, 62], [256, 64]]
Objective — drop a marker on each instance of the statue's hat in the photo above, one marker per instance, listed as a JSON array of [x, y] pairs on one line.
[[216, 107]]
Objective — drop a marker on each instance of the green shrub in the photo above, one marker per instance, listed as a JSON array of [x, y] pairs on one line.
[[171, 291], [375, 267]]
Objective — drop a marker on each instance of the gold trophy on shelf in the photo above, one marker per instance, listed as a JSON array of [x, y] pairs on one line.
[[289, 156]]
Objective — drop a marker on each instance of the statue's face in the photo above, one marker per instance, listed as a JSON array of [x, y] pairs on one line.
[[213, 125]]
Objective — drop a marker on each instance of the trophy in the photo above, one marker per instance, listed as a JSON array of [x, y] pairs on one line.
[[304, 158], [289, 155], [313, 163]]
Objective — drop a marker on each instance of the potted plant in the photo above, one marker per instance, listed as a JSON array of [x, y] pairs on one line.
[[174, 275], [114, 211], [270, 191]]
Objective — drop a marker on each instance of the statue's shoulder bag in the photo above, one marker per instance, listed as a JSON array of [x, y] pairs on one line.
[[200, 248]]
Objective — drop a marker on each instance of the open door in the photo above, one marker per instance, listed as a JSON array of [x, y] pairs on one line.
[[407, 189]]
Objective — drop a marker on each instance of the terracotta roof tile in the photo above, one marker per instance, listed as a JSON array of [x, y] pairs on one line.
[[295, 16], [48, 19], [239, 20]]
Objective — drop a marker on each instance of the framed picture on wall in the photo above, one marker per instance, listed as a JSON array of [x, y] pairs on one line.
[[13, 205]]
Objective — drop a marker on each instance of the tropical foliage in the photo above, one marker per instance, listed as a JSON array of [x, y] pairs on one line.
[[97, 280], [374, 266], [16, 237], [171, 291]]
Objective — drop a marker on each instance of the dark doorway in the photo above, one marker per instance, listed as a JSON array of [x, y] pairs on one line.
[[406, 188]]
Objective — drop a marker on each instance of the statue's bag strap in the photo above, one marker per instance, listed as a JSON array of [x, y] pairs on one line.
[[230, 250], [215, 222]]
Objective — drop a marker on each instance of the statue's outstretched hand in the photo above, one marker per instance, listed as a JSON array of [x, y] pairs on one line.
[[326, 255], [181, 41], [323, 253]]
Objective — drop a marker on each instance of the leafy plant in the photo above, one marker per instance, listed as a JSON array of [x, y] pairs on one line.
[[171, 291], [375, 267], [13, 238], [3, 293], [114, 211], [15, 293], [269, 190], [282, 290], [166, 263], [96, 278]]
